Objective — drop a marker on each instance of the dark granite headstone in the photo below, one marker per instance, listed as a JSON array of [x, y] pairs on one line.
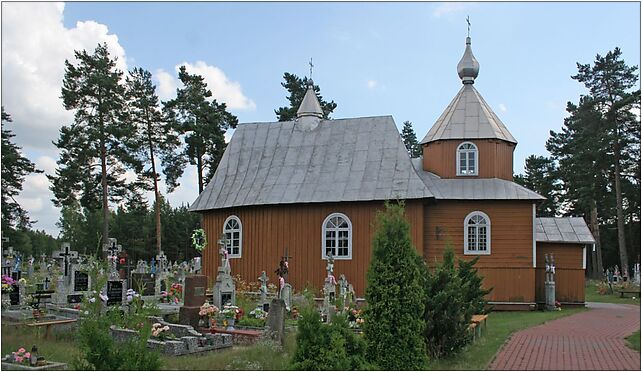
[[16, 275], [114, 292], [81, 281], [194, 297], [74, 298], [144, 283], [14, 295]]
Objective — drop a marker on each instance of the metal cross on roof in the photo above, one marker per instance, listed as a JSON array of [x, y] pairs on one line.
[[65, 254], [311, 65], [468, 21]]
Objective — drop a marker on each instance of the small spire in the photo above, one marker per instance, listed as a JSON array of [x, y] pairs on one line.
[[468, 67], [309, 113]]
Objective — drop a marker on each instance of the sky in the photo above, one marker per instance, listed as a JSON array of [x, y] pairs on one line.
[[372, 59]]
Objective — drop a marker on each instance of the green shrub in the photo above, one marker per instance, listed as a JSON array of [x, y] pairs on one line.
[[471, 285], [447, 314], [394, 323], [248, 321], [327, 347]]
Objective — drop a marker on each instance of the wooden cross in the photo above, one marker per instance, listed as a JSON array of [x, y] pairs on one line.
[[65, 255]]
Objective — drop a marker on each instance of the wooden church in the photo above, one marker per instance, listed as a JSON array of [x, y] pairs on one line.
[[312, 186]]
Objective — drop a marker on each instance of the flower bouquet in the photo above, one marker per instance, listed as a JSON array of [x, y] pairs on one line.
[[161, 332], [175, 293], [21, 356], [230, 313], [208, 313], [7, 284]]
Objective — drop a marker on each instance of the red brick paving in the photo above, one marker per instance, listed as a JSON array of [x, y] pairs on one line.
[[591, 340]]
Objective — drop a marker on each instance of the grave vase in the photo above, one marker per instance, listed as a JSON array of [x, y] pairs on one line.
[[230, 323]]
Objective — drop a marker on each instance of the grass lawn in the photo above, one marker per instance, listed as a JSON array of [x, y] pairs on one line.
[[500, 325], [633, 341], [592, 295], [61, 347]]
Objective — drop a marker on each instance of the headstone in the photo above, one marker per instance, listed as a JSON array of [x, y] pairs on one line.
[[162, 262], [14, 295], [224, 289], [66, 254], [194, 297], [75, 298], [343, 288], [30, 263], [145, 284], [286, 296], [275, 322], [329, 288], [81, 281], [636, 273], [549, 283], [111, 250], [115, 292]]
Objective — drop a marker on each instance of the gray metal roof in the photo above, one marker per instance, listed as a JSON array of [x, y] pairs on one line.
[[563, 230], [473, 188], [355, 159], [468, 116]]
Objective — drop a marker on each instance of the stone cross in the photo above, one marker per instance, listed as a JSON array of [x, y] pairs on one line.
[[65, 253], [330, 265], [343, 287], [225, 261], [162, 261], [30, 268]]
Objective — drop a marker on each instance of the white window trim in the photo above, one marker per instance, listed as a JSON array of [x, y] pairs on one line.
[[488, 235], [323, 230], [233, 217], [457, 165]]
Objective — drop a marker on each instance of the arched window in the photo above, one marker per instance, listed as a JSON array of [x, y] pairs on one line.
[[233, 231], [477, 233], [337, 236], [467, 159]]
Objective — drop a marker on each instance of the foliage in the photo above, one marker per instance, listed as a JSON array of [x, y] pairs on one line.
[[14, 169], [410, 140], [633, 341], [199, 240], [471, 286], [296, 88], [540, 175], [327, 347], [447, 313], [93, 156], [203, 124], [394, 326], [247, 321]]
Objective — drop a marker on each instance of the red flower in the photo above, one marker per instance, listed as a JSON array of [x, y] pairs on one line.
[[122, 261]]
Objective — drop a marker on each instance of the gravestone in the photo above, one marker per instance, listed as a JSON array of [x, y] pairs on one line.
[[329, 288], [275, 322], [81, 281], [145, 284], [194, 297], [343, 288], [636, 273], [115, 292], [224, 289], [286, 296], [263, 279], [14, 295], [75, 298]]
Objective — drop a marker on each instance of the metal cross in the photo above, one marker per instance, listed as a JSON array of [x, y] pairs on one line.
[[285, 256], [46, 285], [468, 21], [311, 65], [65, 255]]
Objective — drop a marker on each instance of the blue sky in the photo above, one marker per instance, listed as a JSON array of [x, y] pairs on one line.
[[394, 59]]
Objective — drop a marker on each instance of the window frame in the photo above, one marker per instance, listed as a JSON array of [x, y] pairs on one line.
[[460, 151], [467, 251], [240, 231], [324, 229]]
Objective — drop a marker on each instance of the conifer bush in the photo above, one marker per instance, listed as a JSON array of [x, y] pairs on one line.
[[471, 282], [447, 313], [321, 346], [394, 323]]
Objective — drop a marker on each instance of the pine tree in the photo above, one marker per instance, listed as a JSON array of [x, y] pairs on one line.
[[410, 140], [14, 169], [204, 124], [540, 175], [474, 295], [93, 90], [610, 82], [447, 313], [394, 325], [296, 88], [153, 137]]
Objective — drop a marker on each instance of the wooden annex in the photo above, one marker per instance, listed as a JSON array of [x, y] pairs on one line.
[[310, 186]]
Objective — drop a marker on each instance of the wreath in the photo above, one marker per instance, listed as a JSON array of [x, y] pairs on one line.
[[199, 240]]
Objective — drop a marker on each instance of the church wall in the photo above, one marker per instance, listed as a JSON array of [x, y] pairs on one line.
[[569, 274], [509, 267], [495, 158], [268, 230]]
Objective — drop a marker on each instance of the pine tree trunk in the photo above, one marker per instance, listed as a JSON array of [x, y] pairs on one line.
[[595, 229], [199, 166], [103, 181], [624, 260], [156, 193]]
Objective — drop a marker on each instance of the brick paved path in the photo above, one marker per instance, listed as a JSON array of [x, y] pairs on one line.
[[591, 340]]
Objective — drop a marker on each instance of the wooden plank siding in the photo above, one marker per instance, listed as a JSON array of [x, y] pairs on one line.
[[268, 230], [495, 158], [569, 274], [509, 267]]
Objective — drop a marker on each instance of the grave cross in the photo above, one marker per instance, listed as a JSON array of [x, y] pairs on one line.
[[47, 281], [65, 255], [162, 261], [330, 265]]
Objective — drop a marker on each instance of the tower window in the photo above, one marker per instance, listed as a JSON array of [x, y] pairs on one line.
[[467, 159]]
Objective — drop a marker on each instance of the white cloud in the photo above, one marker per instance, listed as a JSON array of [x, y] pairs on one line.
[[35, 44], [223, 89], [46, 164], [448, 8], [371, 84], [502, 107]]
